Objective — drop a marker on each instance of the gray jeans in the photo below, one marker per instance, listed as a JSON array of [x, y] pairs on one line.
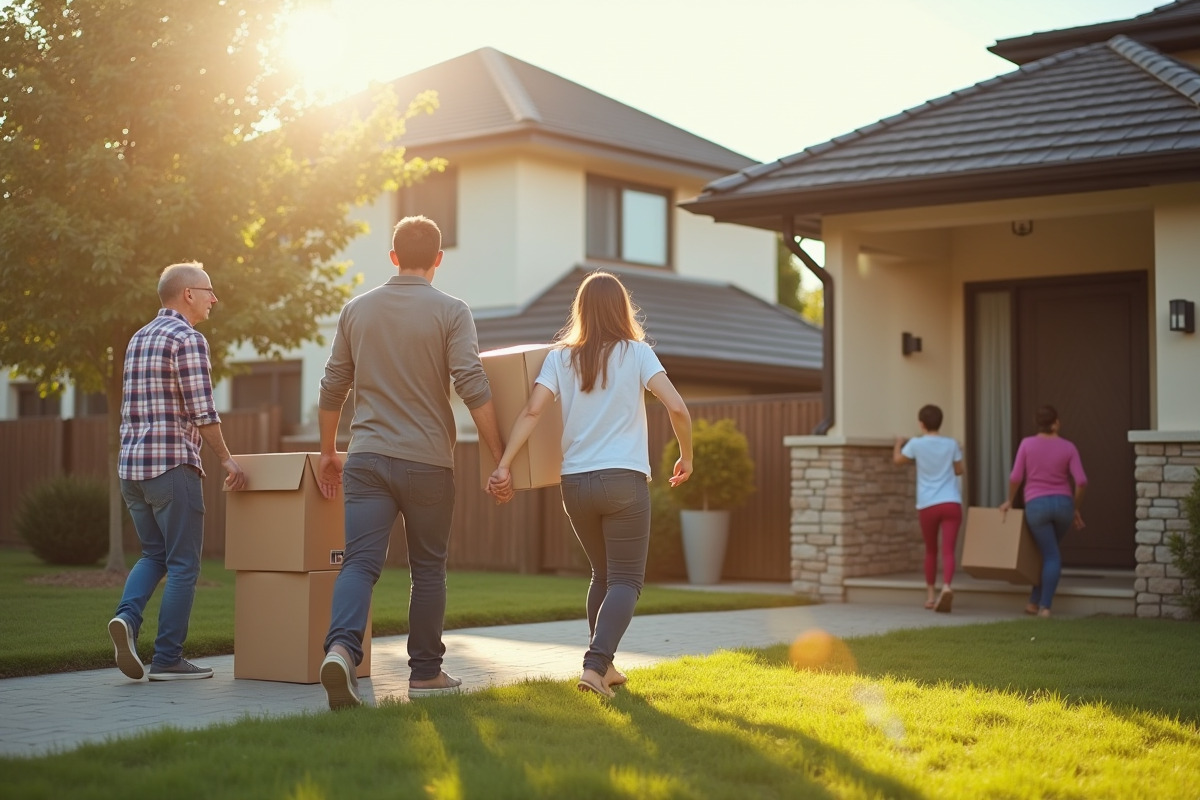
[[610, 512], [376, 489]]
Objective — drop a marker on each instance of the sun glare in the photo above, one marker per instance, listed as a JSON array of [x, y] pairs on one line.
[[317, 44]]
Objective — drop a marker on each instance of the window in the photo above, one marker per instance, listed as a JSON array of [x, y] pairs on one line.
[[627, 222], [271, 383], [90, 405], [435, 197], [31, 404]]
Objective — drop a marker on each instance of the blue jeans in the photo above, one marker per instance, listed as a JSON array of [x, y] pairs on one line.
[[168, 513], [610, 512], [1049, 518], [377, 489]]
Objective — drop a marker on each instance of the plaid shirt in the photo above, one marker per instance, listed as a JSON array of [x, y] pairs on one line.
[[168, 393]]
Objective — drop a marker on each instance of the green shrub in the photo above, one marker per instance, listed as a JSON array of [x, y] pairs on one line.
[[665, 559], [1185, 549], [65, 520], [722, 470]]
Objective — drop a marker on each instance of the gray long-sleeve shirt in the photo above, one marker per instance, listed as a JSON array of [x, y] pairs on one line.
[[400, 346]]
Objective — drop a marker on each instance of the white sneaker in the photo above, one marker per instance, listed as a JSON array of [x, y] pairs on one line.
[[125, 649], [340, 682]]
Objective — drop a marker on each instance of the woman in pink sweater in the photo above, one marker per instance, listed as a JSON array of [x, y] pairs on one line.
[[1049, 466]]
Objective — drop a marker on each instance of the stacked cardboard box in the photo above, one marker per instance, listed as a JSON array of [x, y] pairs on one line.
[[285, 540]]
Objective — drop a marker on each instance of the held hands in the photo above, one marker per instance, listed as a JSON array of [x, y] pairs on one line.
[[683, 471], [235, 479], [329, 475], [500, 485]]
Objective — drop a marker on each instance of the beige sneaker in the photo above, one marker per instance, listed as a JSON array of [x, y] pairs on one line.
[[339, 680]]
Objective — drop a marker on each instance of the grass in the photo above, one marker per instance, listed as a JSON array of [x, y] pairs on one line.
[[63, 628], [1091, 708]]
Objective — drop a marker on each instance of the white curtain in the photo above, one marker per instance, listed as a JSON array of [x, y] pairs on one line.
[[993, 393]]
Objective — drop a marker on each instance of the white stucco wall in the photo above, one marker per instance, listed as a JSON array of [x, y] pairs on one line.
[[907, 270], [1177, 252]]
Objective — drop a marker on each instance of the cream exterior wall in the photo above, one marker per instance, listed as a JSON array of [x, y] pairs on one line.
[[1177, 251], [906, 270]]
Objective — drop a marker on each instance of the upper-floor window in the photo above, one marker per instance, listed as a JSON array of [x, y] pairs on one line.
[[435, 197], [271, 383], [627, 222]]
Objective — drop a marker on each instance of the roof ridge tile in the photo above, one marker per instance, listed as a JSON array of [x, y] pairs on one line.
[[519, 103], [1176, 74], [747, 174]]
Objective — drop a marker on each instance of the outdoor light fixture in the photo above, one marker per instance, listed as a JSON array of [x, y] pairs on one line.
[[1183, 316], [1022, 227], [909, 344]]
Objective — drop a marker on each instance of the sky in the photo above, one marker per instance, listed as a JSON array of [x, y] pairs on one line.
[[765, 78]]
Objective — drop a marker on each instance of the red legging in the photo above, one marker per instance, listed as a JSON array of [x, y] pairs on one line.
[[947, 516]]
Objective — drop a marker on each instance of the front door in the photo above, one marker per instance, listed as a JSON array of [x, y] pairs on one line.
[[1080, 345]]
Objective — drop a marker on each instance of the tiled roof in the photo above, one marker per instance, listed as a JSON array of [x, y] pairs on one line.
[[488, 95], [1169, 28], [1103, 116], [688, 320]]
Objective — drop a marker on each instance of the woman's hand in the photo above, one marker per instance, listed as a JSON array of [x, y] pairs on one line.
[[500, 485], [1078, 523], [683, 471], [1004, 507]]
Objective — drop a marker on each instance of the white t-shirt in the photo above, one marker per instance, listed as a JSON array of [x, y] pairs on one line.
[[606, 427], [935, 456]]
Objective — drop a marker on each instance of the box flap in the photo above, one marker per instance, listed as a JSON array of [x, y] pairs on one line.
[[266, 472], [516, 348]]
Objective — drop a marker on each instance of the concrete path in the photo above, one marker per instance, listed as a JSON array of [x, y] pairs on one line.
[[49, 713]]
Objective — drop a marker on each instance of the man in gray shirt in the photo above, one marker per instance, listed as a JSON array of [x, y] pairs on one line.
[[401, 346]]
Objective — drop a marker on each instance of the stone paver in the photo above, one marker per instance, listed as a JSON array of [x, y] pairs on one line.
[[49, 713]]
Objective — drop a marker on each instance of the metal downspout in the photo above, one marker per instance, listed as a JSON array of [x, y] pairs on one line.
[[789, 239]]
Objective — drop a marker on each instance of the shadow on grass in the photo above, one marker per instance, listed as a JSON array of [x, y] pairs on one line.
[[630, 747]]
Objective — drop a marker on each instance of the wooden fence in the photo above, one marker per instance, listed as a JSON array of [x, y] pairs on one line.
[[529, 534]]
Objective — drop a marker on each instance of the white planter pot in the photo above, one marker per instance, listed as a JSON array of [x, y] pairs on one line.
[[704, 536]]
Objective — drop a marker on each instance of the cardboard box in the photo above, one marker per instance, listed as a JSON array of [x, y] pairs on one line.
[[280, 522], [1000, 550], [512, 371], [280, 620]]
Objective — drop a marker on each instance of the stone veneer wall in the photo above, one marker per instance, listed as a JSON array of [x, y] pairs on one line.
[[1164, 470], [853, 514]]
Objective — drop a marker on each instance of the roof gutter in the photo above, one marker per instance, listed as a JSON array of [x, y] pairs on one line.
[[789, 239]]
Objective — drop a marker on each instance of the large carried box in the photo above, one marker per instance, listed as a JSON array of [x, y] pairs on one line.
[[1000, 549], [280, 620], [280, 522], [512, 372]]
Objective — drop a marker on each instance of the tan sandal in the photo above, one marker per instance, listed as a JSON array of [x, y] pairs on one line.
[[592, 681]]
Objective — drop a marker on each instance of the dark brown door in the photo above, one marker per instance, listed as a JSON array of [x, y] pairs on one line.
[[1082, 348]]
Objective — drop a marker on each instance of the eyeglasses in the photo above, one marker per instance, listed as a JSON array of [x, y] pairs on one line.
[[203, 289]]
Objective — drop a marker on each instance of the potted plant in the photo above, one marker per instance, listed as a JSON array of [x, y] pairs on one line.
[[722, 478]]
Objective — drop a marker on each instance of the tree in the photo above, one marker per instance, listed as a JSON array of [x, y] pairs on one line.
[[790, 289], [140, 133]]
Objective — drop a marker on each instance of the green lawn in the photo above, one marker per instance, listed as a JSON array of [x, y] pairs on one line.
[[1088, 709], [59, 628]]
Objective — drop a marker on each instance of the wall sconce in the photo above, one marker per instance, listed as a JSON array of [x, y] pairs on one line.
[[909, 344], [1022, 227], [1183, 316]]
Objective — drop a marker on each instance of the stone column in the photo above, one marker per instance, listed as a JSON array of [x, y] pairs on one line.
[[1164, 471], [853, 514]]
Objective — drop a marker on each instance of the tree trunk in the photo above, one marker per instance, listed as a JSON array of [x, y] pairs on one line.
[[116, 503]]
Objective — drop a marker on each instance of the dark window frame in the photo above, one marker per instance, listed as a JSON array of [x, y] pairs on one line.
[[619, 185], [435, 197]]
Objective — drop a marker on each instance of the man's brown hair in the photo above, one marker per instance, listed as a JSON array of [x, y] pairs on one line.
[[416, 242]]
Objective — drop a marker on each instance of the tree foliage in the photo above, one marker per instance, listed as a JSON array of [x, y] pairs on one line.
[[790, 289], [139, 133], [1185, 550]]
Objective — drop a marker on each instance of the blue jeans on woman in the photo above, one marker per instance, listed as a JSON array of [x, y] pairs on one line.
[[610, 512], [1049, 518], [168, 513], [377, 489]]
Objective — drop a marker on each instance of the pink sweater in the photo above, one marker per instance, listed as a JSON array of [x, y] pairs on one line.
[[1046, 463]]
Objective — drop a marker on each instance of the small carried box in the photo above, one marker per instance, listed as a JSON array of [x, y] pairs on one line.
[[512, 372], [1000, 547]]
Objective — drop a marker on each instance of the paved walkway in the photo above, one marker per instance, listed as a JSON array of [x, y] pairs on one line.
[[48, 713]]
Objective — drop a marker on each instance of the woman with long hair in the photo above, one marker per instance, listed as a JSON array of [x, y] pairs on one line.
[[1054, 479], [601, 370]]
